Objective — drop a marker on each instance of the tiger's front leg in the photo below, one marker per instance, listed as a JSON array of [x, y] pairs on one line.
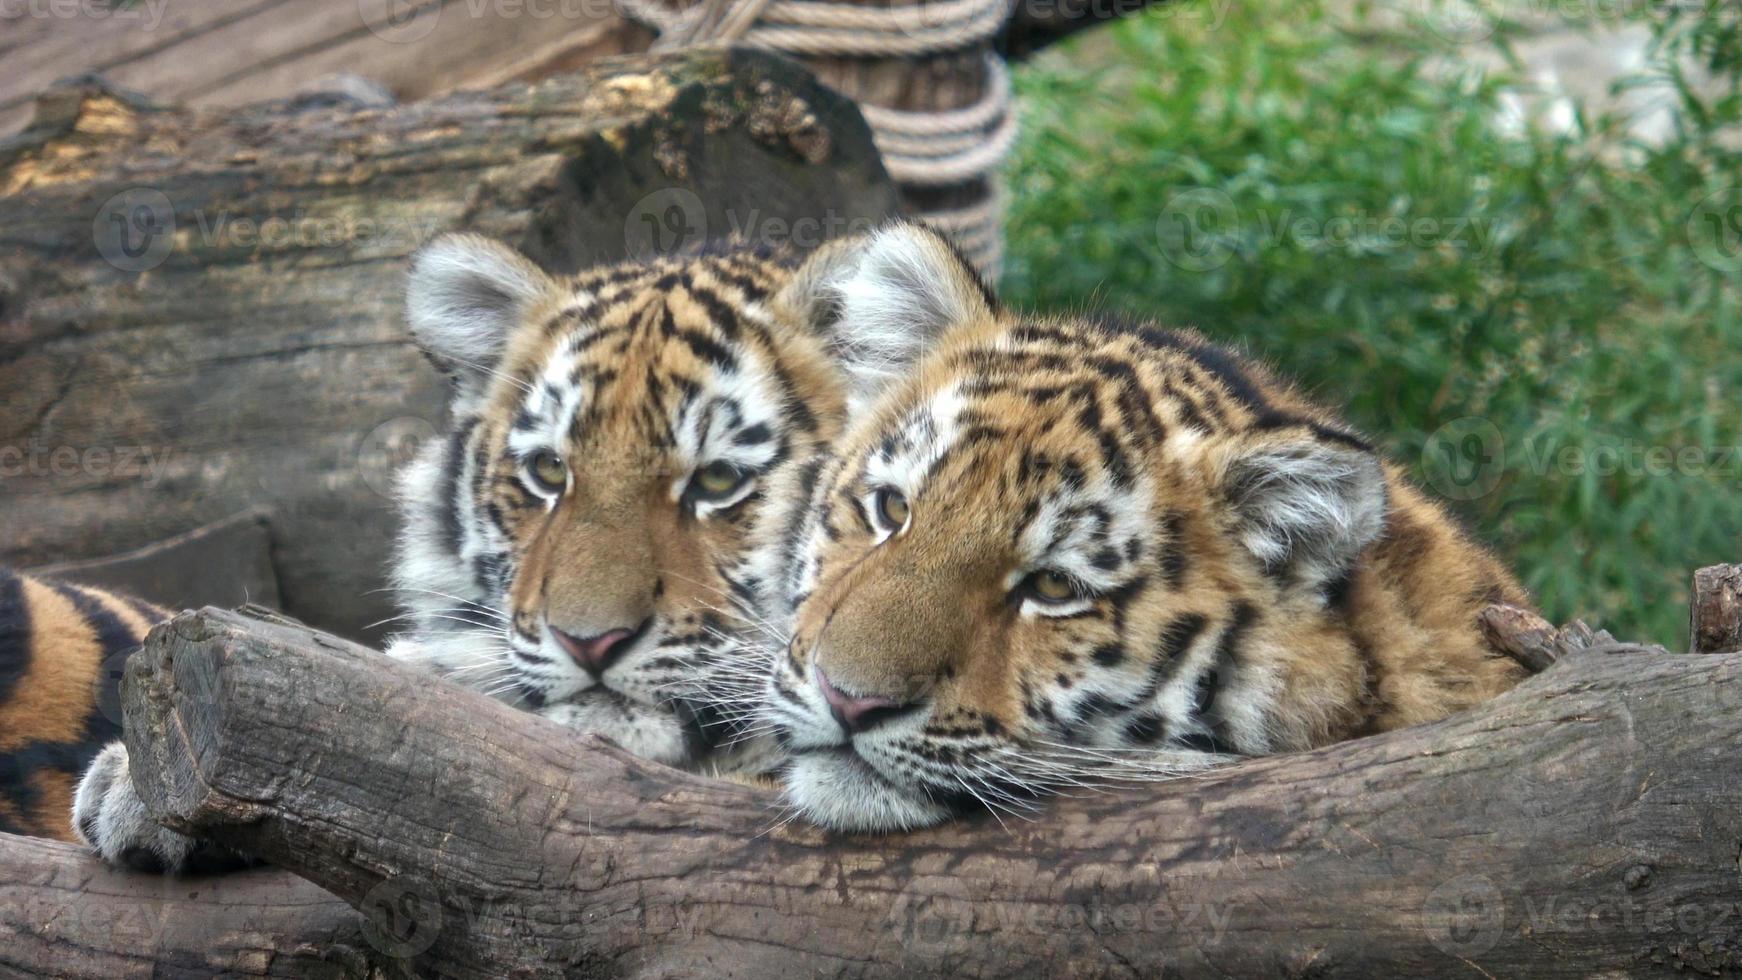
[[111, 819]]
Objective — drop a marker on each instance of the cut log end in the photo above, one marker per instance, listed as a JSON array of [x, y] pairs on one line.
[[1715, 623]]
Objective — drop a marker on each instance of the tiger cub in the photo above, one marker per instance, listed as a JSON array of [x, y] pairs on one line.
[[61, 650], [628, 453], [1069, 550]]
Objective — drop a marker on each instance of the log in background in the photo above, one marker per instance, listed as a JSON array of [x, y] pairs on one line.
[[212, 363]]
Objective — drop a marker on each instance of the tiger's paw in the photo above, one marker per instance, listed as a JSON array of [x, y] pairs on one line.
[[111, 819]]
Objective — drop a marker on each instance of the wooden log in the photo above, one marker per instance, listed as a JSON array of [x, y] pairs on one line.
[[1715, 622], [1586, 823], [65, 915], [200, 311], [217, 53], [228, 563], [1535, 642], [1522, 635]]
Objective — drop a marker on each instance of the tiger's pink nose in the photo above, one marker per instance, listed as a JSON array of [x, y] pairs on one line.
[[596, 654], [857, 713]]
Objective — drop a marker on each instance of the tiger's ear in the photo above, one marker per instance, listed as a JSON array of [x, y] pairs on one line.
[[1307, 502], [465, 295], [881, 300]]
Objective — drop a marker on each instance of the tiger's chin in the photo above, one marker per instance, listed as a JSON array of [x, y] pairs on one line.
[[651, 731], [838, 789]]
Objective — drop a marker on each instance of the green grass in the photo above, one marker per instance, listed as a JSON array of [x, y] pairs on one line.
[[1556, 303]]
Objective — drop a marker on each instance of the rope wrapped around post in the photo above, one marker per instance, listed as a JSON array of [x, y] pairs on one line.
[[921, 149]]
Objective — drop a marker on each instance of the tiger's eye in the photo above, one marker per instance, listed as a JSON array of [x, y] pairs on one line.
[[548, 470], [717, 480], [1053, 587], [892, 508]]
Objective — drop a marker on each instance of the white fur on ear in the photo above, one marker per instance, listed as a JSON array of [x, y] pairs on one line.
[[1309, 507], [881, 301], [465, 295]]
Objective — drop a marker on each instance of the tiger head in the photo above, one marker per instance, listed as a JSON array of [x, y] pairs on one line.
[[629, 447], [1068, 550]]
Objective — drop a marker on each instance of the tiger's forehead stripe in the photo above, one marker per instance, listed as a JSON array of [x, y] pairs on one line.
[[653, 342], [1129, 385]]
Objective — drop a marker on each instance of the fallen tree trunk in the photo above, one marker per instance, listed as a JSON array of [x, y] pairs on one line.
[[200, 310], [1588, 822]]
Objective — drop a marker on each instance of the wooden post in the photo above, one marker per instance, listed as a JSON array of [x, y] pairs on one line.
[[1715, 620]]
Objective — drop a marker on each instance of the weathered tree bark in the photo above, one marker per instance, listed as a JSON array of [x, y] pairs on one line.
[[63, 914], [1587, 823], [1715, 622], [200, 311], [231, 558], [212, 52], [1535, 642]]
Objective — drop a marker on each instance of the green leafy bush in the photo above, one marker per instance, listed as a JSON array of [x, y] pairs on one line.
[[1546, 326]]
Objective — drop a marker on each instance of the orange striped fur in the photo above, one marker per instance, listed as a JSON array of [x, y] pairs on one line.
[[61, 650]]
